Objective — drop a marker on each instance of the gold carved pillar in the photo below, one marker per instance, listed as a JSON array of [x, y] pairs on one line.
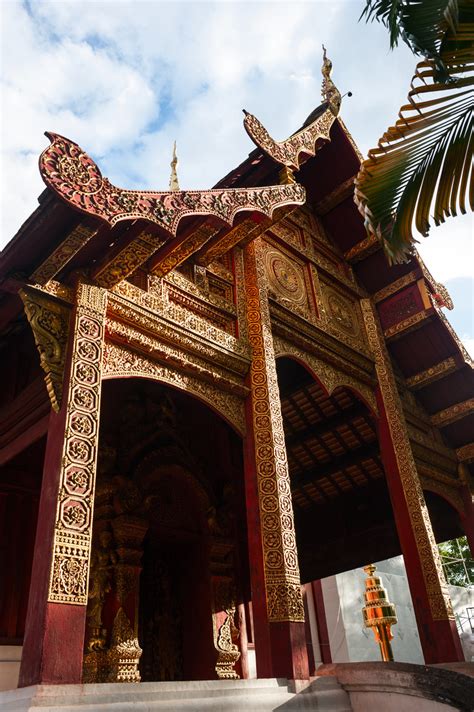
[[430, 595], [276, 591], [54, 637]]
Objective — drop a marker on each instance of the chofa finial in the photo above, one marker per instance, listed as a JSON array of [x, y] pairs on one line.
[[329, 91], [174, 183]]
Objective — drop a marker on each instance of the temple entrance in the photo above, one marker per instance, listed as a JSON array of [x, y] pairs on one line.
[[168, 566], [343, 512]]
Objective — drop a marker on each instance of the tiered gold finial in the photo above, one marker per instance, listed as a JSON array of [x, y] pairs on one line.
[[329, 91], [379, 614], [174, 184]]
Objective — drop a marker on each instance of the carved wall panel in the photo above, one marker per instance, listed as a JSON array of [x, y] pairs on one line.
[[73, 531], [288, 281], [343, 316], [120, 362], [282, 578], [431, 566]]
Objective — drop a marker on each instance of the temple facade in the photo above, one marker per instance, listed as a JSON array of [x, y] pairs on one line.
[[212, 400]]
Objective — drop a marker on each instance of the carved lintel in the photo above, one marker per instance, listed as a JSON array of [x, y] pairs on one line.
[[49, 321], [453, 413]]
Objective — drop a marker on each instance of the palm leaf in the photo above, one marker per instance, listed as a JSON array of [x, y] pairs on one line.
[[421, 24], [423, 165]]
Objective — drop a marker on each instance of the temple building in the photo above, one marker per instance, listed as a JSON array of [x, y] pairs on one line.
[[211, 400]]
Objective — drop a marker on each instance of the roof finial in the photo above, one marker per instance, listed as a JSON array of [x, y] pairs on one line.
[[174, 184], [329, 91]]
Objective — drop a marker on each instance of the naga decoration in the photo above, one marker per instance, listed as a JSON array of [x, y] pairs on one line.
[[303, 144], [74, 177]]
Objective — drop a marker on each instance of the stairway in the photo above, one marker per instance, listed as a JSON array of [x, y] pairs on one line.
[[323, 694]]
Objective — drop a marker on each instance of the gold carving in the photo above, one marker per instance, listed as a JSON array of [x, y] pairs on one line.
[[180, 249], [120, 662], [282, 578], [285, 277], [128, 260], [363, 249], [58, 259], [439, 370], [395, 286], [120, 361], [49, 321], [72, 538], [453, 413], [403, 327], [219, 246], [103, 559], [225, 630], [432, 569]]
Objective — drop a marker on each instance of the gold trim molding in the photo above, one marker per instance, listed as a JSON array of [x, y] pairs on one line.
[[432, 374], [453, 413], [466, 453], [73, 531]]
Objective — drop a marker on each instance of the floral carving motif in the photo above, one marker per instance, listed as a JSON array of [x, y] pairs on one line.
[[49, 321], [280, 559], [72, 175], [69, 573]]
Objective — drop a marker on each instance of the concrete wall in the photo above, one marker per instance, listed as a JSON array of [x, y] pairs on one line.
[[10, 656]]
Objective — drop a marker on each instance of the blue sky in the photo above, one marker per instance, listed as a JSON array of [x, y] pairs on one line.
[[125, 79]]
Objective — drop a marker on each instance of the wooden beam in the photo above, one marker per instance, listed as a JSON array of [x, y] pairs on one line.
[[453, 413], [434, 373], [336, 197]]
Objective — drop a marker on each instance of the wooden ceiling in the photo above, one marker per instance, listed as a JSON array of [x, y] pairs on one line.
[[331, 441]]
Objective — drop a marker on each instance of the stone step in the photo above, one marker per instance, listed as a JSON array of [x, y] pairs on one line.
[[322, 694]]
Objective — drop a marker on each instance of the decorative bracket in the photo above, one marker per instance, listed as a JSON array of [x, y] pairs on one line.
[[49, 321]]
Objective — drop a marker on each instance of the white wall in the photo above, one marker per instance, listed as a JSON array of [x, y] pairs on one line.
[[350, 641]]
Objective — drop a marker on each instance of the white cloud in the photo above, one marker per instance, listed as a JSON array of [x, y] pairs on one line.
[[124, 79]]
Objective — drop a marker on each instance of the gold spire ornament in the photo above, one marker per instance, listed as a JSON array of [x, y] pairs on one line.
[[329, 91], [174, 184], [379, 614]]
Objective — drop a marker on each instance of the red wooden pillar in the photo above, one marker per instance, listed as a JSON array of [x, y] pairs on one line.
[[436, 625], [55, 623], [320, 610], [276, 592], [467, 517]]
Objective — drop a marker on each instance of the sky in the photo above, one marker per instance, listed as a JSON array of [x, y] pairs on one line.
[[125, 79]]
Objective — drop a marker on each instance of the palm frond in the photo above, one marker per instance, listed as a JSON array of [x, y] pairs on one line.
[[421, 24], [423, 165]]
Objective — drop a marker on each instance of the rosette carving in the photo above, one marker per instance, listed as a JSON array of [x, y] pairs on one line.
[[74, 177]]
